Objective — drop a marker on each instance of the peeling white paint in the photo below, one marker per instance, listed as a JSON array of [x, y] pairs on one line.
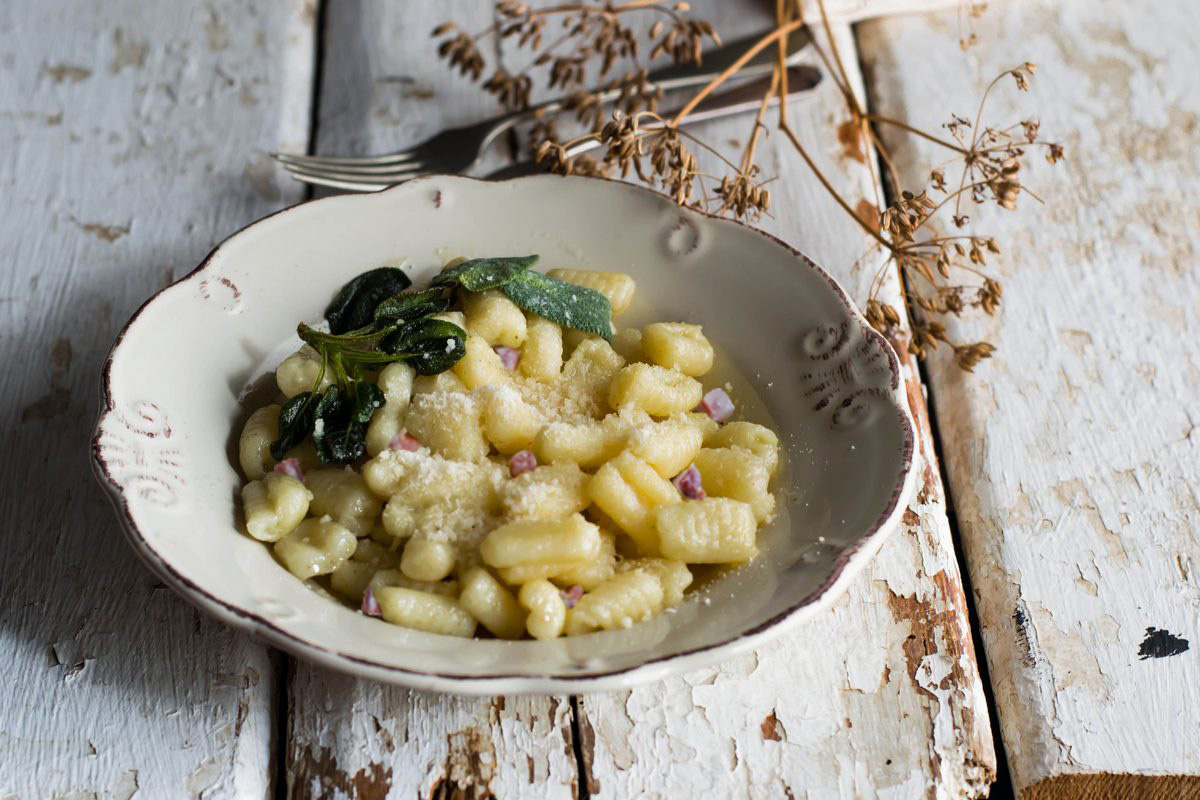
[[126, 175], [1076, 498]]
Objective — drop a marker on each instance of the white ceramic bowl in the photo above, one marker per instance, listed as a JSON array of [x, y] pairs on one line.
[[832, 386]]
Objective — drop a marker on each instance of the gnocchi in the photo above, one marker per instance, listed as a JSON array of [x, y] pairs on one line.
[[254, 445], [679, 346], [274, 506], [628, 490], [396, 381], [547, 610], [714, 530], [548, 482], [658, 391], [315, 547]]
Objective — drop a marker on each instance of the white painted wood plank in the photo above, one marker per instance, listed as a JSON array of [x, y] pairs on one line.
[[134, 139], [1074, 454], [351, 738], [879, 697], [382, 89]]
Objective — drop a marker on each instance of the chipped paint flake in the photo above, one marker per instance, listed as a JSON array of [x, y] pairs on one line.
[[107, 233], [1161, 644], [128, 51], [71, 73]]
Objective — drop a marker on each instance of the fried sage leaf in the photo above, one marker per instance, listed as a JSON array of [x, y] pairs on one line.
[[565, 303], [480, 274], [408, 306], [368, 399], [428, 345], [340, 422], [354, 306], [295, 421]]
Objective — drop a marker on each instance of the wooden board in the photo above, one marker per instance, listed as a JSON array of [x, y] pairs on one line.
[[889, 701], [1074, 454], [134, 139], [880, 695], [382, 89]]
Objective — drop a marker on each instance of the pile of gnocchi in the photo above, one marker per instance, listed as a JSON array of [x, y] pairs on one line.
[[550, 483]]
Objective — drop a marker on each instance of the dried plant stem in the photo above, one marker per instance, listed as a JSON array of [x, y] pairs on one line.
[[884, 156], [787, 130], [982, 103], [851, 98], [843, 88], [742, 60], [882, 120], [759, 127], [783, 16], [632, 5]]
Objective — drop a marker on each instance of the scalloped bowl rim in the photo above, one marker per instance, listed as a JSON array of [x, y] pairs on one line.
[[851, 561]]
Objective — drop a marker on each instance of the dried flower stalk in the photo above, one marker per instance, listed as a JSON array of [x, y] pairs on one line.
[[572, 44]]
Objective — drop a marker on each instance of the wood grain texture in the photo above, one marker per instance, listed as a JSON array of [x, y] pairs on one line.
[[135, 139], [879, 696], [361, 739], [1074, 455], [383, 89]]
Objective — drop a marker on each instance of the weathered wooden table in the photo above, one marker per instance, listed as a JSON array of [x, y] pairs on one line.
[[136, 136]]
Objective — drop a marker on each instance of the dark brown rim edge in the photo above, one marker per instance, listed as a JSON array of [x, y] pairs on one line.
[[263, 628]]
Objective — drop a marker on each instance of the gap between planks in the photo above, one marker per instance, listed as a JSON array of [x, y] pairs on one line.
[[1002, 784]]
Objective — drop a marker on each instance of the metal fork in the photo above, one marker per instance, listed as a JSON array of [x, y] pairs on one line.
[[458, 149]]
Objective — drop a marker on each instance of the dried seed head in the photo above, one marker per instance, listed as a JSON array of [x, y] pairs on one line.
[[462, 54], [968, 356], [1006, 193], [874, 314]]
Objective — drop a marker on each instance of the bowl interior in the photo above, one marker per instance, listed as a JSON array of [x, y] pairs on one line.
[[828, 385]]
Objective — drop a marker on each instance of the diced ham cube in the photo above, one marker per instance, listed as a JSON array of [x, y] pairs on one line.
[[509, 356], [717, 405], [522, 462], [370, 606], [688, 483], [290, 466], [404, 441], [571, 595]]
